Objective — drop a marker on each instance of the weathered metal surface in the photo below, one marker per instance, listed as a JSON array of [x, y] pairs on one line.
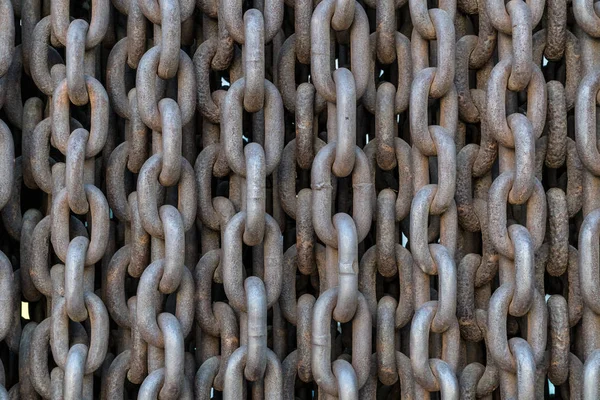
[[278, 199]]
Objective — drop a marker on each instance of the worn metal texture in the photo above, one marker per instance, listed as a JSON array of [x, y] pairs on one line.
[[299, 199]]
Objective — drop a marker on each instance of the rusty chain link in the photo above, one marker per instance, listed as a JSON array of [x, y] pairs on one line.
[[297, 199]]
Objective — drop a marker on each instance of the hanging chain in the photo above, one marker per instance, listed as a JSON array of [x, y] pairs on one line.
[[298, 199]]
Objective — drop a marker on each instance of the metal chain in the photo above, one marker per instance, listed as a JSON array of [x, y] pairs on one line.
[[279, 199]]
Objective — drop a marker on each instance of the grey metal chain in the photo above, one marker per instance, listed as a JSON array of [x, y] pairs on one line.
[[279, 199]]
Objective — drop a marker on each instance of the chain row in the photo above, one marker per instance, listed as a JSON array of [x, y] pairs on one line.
[[276, 199]]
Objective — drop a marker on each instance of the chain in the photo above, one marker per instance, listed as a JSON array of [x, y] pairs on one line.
[[279, 199]]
